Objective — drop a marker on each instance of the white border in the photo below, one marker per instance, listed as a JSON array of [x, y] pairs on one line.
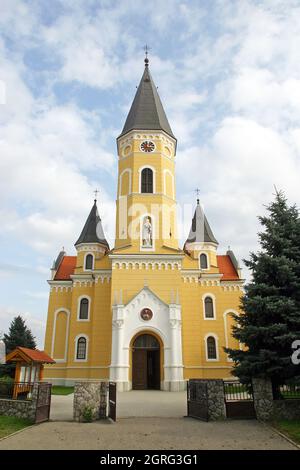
[[208, 294], [154, 178], [217, 346], [83, 296], [67, 312], [81, 335]]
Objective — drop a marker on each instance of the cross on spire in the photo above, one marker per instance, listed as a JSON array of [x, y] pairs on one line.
[[197, 191], [96, 194], [146, 49]]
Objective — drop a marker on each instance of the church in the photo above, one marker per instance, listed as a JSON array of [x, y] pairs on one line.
[[146, 313]]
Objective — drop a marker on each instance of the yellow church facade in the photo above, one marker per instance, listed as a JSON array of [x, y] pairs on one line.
[[146, 313]]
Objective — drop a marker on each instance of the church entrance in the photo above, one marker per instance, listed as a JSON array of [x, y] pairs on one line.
[[146, 363]]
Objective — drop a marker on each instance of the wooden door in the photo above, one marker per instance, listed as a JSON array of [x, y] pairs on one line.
[[153, 369], [139, 369]]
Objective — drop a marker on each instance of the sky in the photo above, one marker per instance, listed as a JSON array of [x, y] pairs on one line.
[[228, 74]]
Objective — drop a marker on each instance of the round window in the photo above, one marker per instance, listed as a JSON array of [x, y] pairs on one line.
[[146, 314]]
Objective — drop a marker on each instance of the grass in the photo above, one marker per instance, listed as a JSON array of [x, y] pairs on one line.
[[11, 424], [289, 428], [61, 390]]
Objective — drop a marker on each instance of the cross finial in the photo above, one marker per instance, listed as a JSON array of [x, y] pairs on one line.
[[197, 191], [96, 194], [146, 49]]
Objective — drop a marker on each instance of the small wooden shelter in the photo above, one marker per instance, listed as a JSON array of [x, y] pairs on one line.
[[29, 364]]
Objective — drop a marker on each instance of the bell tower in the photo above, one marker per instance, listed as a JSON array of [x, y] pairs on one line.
[[146, 219]]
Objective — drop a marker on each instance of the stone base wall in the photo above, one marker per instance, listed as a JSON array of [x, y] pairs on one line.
[[208, 396], [25, 409], [268, 409], [216, 400], [90, 396], [263, 399], [286, 409]]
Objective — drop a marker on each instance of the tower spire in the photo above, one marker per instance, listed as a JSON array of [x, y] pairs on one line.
[[147, 112]]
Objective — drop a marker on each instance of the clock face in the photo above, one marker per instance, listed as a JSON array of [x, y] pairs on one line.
[[147, 146]]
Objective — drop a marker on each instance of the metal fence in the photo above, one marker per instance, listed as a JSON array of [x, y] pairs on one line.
[[16, 390], [286, 391], [236, 391]]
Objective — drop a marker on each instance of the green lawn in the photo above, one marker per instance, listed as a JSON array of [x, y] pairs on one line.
[[60, 390], [290, 429], [10, 424]]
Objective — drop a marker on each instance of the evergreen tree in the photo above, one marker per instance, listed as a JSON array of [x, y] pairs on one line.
[[19, 335], [271, 305]]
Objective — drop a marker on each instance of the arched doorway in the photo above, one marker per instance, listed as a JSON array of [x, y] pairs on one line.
[[146, 363]]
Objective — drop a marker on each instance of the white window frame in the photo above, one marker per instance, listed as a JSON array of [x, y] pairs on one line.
[[217, 347], [84, 296], [84, 262], [67, 312], [142, 248], [207, 258], [140, 178], [81, 335], [207, 294]]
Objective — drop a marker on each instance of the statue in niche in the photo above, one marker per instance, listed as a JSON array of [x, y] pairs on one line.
[[147, 233]]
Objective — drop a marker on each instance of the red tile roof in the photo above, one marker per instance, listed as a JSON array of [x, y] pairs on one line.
[[66, 268], [31, 354], [226, 268]]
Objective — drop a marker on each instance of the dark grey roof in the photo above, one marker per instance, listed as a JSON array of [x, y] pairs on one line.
[[147, 112], [92, 231], [200, 230]]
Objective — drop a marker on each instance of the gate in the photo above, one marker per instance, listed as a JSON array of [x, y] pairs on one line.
[[112, 400], [43, 403], [197, 400], [239, 400]]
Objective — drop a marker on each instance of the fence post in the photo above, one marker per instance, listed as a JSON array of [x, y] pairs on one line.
[[263, 398]]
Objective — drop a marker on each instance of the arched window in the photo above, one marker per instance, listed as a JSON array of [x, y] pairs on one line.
[[89, 262], [84, 309], [147, 181], [81, 348], [146, 342], [211, 348], [203, 261], [209, 307]]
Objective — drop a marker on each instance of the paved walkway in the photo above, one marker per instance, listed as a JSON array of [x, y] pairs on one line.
[[151, 403], [62, 407], [146, 403], [148, 433]]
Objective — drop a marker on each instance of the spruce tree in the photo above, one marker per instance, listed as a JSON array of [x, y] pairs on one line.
[[19, 335], [270, 321]]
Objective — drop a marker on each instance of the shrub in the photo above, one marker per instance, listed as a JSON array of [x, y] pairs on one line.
[[87, 414]]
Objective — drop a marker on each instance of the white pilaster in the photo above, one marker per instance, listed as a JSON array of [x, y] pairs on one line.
[[119, 366]]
